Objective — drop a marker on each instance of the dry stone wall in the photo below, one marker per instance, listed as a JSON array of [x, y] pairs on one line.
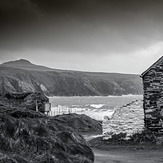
[[128, 119]]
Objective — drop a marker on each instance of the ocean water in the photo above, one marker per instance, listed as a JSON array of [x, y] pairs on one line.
[[94, 106]]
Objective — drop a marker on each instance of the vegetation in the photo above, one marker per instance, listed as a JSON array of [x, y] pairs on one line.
[[138, 137], [144, 136], [23, 76], [27, 136], [81, 123], [138, 141], [40, 139]]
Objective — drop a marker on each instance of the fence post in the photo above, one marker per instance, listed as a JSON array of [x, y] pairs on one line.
[[54, 112], [59, 109], [36, 106]]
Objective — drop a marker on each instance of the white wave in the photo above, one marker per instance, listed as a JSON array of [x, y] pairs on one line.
[[97, 106]]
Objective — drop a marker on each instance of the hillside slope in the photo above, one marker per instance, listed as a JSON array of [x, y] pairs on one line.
[[23, 76], [30, 136]]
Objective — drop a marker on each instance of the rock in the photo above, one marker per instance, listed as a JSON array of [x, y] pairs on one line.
[[159, 140]]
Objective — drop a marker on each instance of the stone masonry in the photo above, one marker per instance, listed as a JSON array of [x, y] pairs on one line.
[[153, 97], [128, 119]]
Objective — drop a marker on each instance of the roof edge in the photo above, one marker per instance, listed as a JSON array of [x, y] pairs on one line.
[[151, 67]]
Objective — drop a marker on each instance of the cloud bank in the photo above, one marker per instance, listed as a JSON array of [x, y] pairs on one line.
[[92, 31]]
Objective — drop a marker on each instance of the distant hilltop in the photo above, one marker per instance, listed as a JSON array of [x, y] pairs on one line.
[[25, 65], [24, 76]]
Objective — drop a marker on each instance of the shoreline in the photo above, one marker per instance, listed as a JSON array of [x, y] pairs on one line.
[[129, 95]]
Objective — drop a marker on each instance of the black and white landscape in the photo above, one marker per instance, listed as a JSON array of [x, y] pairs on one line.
[[23, 76], [83, 59]]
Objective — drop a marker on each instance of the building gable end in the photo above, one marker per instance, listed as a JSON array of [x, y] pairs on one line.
[[158, 62]]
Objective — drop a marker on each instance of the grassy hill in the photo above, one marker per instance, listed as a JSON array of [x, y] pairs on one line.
[[23, 76], [30, 136]]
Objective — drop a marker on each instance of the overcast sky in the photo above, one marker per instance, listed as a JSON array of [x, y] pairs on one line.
[[89, 35]]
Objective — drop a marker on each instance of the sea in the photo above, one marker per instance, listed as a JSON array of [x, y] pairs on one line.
[[94, 106]]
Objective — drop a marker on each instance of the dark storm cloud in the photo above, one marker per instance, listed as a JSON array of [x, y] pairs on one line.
[[84, 26], [15, 11]]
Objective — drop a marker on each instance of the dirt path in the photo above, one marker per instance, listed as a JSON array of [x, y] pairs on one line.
[[122, 155], [118, 156]]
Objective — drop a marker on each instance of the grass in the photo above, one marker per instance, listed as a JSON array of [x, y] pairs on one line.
[[144, 136], [40, 140], [138, 141]]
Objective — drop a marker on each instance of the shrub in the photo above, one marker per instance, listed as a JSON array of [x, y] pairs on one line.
[[120, 136], [117, 137], [144, 136]]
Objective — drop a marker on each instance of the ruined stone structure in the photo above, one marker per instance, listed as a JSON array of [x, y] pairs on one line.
[[153, 97], [128, 119]]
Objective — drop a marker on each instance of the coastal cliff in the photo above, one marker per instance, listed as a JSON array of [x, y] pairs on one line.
[[23, 76]]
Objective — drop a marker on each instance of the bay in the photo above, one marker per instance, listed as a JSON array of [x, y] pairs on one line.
[[94, 106]]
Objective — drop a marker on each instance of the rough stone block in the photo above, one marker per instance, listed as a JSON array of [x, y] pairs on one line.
[[159, 140]]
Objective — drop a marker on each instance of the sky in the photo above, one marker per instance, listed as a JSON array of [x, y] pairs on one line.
[[123, 36]]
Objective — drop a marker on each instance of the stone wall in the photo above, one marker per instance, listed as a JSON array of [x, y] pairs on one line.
[[127, 119], [153, 98]]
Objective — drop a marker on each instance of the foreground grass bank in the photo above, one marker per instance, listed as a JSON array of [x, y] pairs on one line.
[[27, 136]]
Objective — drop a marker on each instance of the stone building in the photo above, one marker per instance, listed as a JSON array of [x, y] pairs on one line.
[[153, 96]]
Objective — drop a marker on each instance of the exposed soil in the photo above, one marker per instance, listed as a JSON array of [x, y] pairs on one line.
[[127, 156]]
